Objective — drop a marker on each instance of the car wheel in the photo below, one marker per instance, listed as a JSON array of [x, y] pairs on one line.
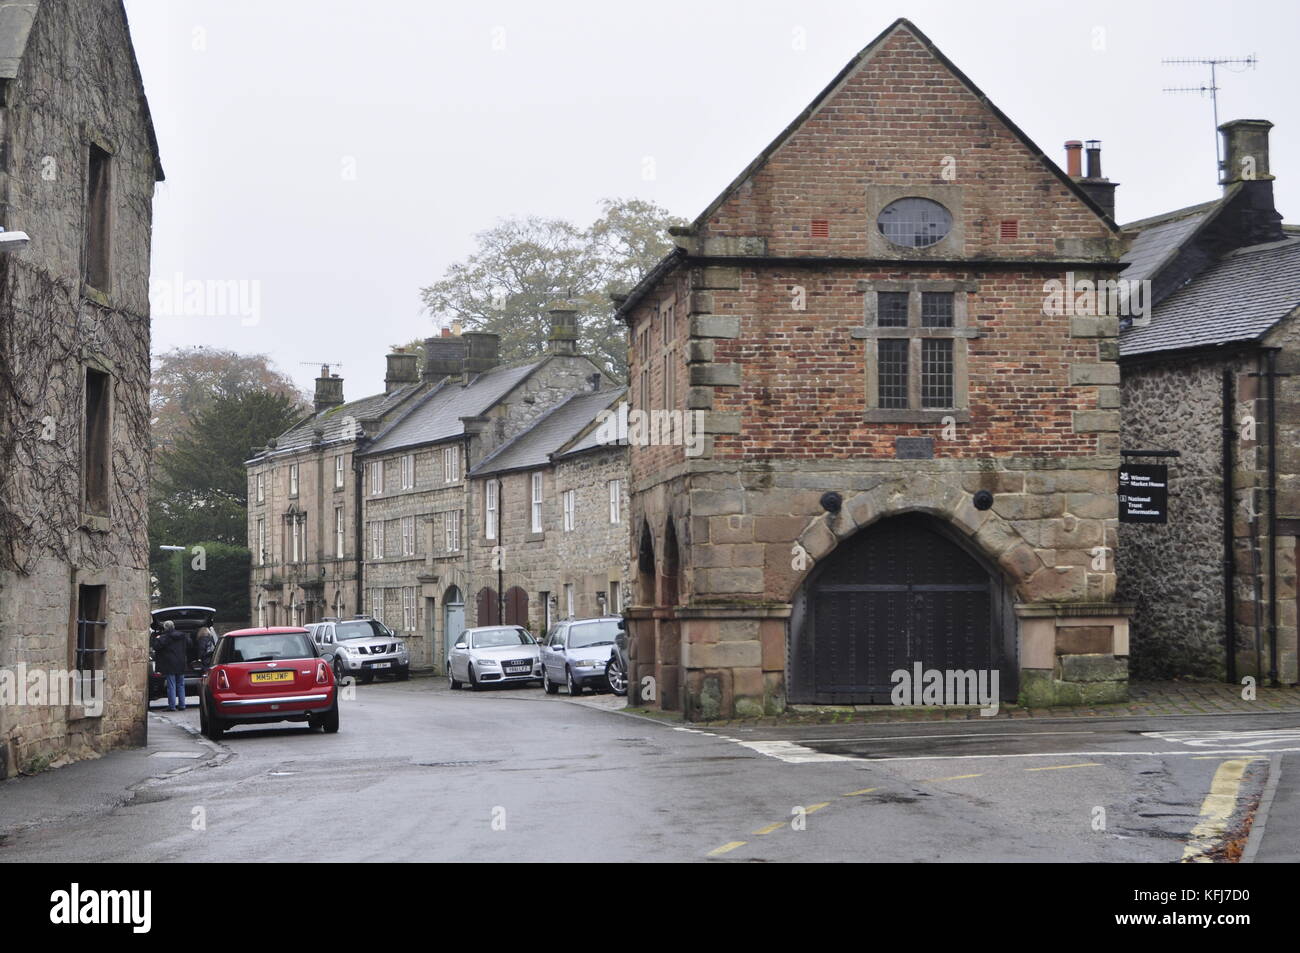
[[550, 686], [338, 670], [455, 682], [473, 680], [403, 674], [617, 678], [215, 727], [330, 722], [575, 689]]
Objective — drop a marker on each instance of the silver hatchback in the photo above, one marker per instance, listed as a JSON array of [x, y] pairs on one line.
[[576, 653], [492, 655]]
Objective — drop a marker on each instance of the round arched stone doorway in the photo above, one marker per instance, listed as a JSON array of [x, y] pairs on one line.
[[908, 589]]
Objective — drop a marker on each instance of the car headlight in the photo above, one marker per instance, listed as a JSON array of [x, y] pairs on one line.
[[591, 663], [488, 662]]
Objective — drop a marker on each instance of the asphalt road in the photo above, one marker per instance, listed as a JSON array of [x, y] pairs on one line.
[[421, 773]]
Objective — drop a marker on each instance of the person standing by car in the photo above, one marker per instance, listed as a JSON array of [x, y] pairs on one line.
[[171, 660], [205, 642]]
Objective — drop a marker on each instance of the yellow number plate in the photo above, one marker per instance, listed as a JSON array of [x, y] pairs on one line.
[[272, 677]]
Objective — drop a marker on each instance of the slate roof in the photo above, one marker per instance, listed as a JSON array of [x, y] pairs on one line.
[[437, 416], [594, 438], [337, 423], [1160, 238], [549, 433], [1237, 299]]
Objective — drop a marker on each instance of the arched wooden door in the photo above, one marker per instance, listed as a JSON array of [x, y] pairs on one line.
[[489, 610], [516, 607], [900, 593]]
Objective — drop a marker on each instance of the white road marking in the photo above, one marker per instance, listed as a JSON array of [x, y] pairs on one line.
[[791, 753], [1064, 754], [952, 734], [1254, 740]]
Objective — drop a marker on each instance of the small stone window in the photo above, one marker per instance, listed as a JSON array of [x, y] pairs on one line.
[[97, 447], [98, 219], [915, 334], [891, 311], [92, 625]]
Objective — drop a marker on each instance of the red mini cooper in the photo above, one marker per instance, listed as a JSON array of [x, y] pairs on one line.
[[267, 675]]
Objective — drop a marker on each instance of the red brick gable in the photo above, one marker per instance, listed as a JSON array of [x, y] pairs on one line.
[[899, 115]]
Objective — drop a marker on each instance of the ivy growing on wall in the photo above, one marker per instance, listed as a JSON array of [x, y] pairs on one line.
[[47, 336]]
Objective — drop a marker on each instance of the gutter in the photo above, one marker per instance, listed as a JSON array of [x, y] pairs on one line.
[[358, 495], [1229, 437], [1272, 517]]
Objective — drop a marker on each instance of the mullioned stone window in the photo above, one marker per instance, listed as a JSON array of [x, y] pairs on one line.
[[916, 335]]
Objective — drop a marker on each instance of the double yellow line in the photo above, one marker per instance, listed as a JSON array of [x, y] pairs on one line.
[[1216, 810]]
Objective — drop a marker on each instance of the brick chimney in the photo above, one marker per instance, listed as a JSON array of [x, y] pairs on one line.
[[1073, 161], [481, 352], [564, 328], [1097, 187], [329, 389], [1245, 149], [402, 370], [444, 356]]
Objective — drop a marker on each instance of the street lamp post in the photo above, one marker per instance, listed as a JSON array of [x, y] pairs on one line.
[[180, 570]]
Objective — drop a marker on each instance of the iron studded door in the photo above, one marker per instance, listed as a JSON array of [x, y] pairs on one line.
[[900, 594]]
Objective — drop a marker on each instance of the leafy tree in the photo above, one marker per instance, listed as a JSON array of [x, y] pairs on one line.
[[522, 265], [207, 460], [200, 487], [186, 379], [216, 574]]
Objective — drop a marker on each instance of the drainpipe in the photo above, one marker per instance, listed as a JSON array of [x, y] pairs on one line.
[[359, 472], [1272, 518], [501, 557], [1256, 576], [1229, 557]]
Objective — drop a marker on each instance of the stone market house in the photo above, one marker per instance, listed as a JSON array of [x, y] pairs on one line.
[[77, 173], [555, 543], [422, 527], [304, 501], [1213, 376], [910, 457]]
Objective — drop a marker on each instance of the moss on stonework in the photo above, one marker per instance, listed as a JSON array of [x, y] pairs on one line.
[[710, 700], [1039, 689], [1035, 688]]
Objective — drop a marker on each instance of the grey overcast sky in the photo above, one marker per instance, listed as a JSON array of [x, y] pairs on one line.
[[337, 155]]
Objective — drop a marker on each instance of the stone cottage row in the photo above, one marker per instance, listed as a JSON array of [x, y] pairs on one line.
[[468, 493]]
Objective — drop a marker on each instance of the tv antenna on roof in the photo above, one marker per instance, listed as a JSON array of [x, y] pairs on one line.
[[1242, 63], [325, 365]]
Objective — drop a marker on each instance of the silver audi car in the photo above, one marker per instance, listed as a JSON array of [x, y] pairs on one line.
[[493, 654]]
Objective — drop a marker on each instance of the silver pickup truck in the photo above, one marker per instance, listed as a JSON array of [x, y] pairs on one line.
[[362, 647]]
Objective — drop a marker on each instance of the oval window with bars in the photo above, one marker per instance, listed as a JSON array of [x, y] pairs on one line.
[[914, 222]]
